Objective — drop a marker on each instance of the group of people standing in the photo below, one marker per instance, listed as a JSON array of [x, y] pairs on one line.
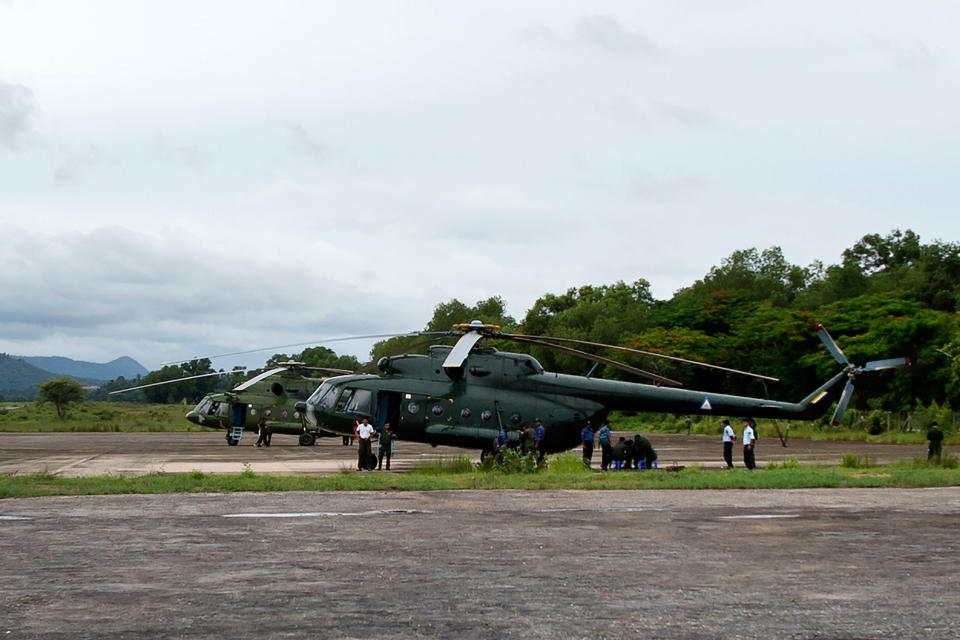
[[365, 458], [749, 442]]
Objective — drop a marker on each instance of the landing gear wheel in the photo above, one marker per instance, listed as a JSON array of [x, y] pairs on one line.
[[232, 442], [307, 439]]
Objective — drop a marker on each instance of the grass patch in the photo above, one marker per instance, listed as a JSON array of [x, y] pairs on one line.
[[103, 417], [564, 472]]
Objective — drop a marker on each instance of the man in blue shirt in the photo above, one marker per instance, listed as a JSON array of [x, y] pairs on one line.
[[606, 451], [586, 435], [538, 436]]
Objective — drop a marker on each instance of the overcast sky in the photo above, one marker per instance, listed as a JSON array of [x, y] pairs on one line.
[[191, 178]]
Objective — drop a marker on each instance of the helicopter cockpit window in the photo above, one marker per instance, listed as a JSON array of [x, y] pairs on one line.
[[343, 400], [205, 406], [223, 410], [354, 401], [360, 401], [323, 397]]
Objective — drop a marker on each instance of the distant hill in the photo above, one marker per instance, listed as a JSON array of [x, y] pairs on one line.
[[125, 366], [20, 379]]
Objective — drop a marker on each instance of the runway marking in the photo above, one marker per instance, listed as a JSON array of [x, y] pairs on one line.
[[15, 518], [327, 514], [761, 516], [600, 509]]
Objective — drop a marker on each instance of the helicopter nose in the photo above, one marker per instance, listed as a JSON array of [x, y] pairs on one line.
[[306, 412], [194, 417]]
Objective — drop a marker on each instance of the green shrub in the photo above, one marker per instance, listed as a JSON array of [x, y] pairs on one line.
[[851, 461], [568, 463], [446, 466]]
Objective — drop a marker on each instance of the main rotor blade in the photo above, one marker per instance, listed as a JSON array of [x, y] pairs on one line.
[[158, 384], [832, 345], [842, 403], [645, 353], [595, 358], [890, 363], [257, 378], [461, 350], [302, 344]]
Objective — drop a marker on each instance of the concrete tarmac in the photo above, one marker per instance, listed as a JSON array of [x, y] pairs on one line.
[[800, 564]]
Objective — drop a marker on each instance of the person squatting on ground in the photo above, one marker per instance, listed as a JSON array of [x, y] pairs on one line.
[[606, 451], [935, 436], [729, 437], [364, 434], [386, 446], [586, 436], [643, 450], [749, 438], [263, 432], [622, 453]]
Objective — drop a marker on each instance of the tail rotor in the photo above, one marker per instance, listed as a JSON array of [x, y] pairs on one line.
[[853, 370]]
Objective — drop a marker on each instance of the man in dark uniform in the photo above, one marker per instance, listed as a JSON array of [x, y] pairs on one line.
[[935, 436], [643, 450], [386, 446], [620, 453], [527, 438], [263, 430]]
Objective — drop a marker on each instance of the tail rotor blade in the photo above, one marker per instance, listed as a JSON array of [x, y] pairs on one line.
[[842, 403], [831, 345], [890, 363]]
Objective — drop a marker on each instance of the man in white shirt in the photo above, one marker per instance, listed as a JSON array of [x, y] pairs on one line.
[[364, 433], [729, 437], [748, 439]]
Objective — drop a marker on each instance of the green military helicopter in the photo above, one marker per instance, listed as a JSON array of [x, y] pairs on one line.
[[272, 394], [461, 395]]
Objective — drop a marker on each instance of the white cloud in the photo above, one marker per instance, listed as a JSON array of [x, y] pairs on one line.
[[17, 110], [227, 175]]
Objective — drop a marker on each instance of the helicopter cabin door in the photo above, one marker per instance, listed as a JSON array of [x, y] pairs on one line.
[[239, 414], [388, 409]]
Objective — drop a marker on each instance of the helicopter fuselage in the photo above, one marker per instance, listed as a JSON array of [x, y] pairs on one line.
[[466, 407]]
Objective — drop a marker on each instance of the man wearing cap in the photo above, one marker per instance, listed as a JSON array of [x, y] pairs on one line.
[[538, 436], [729, 437], [935, 436], [748, 439]]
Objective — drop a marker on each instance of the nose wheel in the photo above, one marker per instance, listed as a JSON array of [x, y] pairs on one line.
[[307, 439]]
